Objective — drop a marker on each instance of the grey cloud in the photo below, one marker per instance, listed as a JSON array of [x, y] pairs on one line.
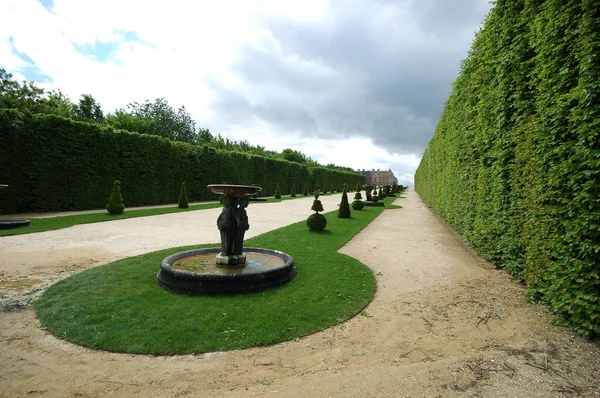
[[377, 69]]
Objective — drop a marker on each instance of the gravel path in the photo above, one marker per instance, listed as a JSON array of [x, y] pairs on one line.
[[442, 323]]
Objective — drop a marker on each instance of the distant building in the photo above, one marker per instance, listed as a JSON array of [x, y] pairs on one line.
[[379, 177]]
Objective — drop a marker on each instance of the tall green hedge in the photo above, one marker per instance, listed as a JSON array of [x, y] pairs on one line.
[[514, 165], [53, 164]]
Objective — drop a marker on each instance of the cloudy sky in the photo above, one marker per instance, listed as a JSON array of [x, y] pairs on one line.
[[357, 83]]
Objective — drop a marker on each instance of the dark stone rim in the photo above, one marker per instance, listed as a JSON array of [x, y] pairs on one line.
[[12, 223], [188, 282]]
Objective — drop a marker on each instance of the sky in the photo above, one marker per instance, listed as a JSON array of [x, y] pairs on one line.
[[356, 83]]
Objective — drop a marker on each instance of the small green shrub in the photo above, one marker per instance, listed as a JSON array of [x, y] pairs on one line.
[[293, 192], [374, 198], [277, 192], [115, 203], [358, 205], [305, 192], [357, 195], [358, 187], [381, 193], [344, 209], [183, 199], [316, 222]]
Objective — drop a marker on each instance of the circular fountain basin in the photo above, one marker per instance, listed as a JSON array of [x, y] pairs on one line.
[[195, 272]]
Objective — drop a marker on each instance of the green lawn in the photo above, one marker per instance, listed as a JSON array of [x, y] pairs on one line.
[[120, 306]]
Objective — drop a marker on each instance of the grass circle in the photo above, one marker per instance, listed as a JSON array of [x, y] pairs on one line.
[[120, 307]]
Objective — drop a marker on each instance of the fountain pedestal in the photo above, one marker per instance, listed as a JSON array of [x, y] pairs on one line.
[[233, 269]]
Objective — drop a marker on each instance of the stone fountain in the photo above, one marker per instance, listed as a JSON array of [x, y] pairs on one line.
[[231, 268], [11, 223], [369, 202]]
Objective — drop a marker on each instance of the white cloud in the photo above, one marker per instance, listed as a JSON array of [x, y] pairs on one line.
[[340, 82]]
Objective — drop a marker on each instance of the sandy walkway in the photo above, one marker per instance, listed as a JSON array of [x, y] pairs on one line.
[[443, 322]]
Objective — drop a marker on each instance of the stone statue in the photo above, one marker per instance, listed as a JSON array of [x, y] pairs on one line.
[[227, 225], [241, 220]]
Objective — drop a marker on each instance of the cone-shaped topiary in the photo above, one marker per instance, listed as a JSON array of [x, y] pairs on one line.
[[316, 222], [381, 193], [293, 192], [358, 187], [183, 199], [344, 210], [305, 192], [115, 203], [332, 189], [277, 192]]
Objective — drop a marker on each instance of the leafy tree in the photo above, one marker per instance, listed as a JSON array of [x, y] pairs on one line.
[[89, 110], [156, 118]]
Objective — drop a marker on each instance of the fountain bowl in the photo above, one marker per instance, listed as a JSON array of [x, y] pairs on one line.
[[195, 272]]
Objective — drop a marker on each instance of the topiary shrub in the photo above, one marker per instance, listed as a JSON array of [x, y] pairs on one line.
[[183, 199], [358, 205], [357, 195], [332, 189], [305, 192], [115, 203], [316, 222], [277, 192], [374, 198], [344, 209], [381, 193], [293, 193]]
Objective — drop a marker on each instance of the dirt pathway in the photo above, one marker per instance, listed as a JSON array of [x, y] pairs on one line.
[[443, 323]]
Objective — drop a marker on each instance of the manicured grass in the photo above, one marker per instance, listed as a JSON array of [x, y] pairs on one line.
[[120, 306]]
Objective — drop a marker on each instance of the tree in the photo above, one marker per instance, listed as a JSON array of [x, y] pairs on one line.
[[115, 203], [183, 199], [277, 192], [156, 118], [344, 209], [88, 109]]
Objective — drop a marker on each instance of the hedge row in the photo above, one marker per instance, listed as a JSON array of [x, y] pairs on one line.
[[54, 164], [514, 165]]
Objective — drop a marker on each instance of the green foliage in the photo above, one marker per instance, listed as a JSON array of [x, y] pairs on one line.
[[88, 110], [156, 118], [344, 209], [115, 203], [514, 165], [381, 193], [277, 192], [53, 164], [374, 198], [183, 199], [317, 205], [305, 191], [316, 222], [293, 191], [119, 307], [357, 195], [358, 205]]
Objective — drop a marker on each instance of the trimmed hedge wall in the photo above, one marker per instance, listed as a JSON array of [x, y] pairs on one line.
[[514, 165], [54, 164]]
